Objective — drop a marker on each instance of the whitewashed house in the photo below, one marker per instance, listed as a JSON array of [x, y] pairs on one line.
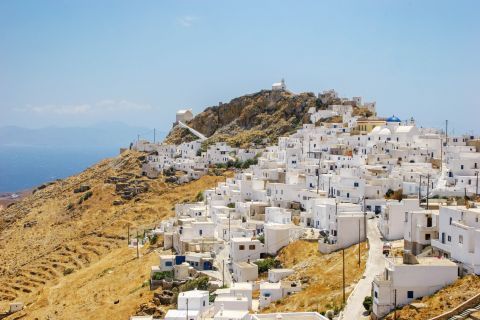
[[409, 278], [391, 221], [245, 249], [459, 236]]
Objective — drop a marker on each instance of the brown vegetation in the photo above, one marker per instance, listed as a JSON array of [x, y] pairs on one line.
[[321, 275], [67, 258], [442, 301]]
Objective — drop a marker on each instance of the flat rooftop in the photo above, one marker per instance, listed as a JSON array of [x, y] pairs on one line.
[[422, 261]]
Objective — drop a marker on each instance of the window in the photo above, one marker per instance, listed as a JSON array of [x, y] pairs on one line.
[[200, 232], [251, 247], [376, 294], [241, 247], [449, 239], [168, 263], [460, 239], [355, 184], [410, 294], [204, 303], [427, 236], [450, 220]]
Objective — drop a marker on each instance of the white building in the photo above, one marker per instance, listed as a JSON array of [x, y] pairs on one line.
[[244, 271], [279, 86], [420, 228], [245, 249], [193, 300], [184, 115], [273, 291], [391, 222], [275, 275], [289, 316], [409, 278], [459, 236]]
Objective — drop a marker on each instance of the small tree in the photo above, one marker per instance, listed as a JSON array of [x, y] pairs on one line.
[[199, 196], [367, 303]]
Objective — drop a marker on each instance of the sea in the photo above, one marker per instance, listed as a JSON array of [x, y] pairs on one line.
[[24, 167]]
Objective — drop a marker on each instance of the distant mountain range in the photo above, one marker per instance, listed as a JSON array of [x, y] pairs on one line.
[[99, 135]]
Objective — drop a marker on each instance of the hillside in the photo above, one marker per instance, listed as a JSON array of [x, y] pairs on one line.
[[260, 117], [65, 253], [321, 274], [442, 301]]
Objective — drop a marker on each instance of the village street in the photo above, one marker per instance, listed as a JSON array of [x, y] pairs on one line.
[[221, 263], [375, 265]]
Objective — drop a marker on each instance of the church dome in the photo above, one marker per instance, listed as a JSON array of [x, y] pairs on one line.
[[393, 119]]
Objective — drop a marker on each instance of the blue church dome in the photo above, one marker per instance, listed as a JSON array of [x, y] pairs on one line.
[[393, 119]]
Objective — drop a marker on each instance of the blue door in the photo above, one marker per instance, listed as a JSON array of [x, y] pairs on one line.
[[207, 265], [179, 260]]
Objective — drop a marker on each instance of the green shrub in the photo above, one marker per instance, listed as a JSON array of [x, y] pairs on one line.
[[389, 193], [261, 238], [267, 264], [201, 283], [367, 303], [153, 239], [163, 275], [199, 196]]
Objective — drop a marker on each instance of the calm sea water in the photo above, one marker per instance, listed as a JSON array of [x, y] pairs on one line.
[[25, 167]]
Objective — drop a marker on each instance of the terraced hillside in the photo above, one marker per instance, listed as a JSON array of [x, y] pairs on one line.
[[55, 238]]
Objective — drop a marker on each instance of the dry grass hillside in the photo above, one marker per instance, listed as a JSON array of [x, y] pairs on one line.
[[253, 118], [442, 301], [64, 254], [321, 275]]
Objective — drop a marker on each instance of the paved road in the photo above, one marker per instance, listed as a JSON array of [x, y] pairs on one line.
[[220, 258], [375, 265]]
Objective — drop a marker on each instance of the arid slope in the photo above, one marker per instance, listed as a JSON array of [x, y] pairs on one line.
[[64, 259], [321, 274]]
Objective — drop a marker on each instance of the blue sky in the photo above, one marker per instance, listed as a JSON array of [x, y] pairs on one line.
[[75, 63]]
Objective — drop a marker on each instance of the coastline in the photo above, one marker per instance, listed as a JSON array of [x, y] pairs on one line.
[[7, 198]]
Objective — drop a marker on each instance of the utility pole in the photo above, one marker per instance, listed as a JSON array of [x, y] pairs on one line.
[[223, 273], [138, 138], [318, 172], [395, 304], [420, 192], [428, 187], [154, 135], [187, 310], [359, 242], [364, 219], [476, 187], [343, 263], [446, 132], [138, 254], [329, 178]]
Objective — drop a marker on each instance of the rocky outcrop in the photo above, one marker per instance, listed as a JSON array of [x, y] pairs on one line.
[[256, 118]]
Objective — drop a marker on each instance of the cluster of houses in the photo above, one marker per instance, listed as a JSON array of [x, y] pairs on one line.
[[332, 179]]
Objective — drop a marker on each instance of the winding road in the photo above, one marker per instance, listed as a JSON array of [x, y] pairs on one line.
[[375, 264]]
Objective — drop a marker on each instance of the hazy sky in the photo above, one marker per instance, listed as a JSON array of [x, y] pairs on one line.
[[81, 62]]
